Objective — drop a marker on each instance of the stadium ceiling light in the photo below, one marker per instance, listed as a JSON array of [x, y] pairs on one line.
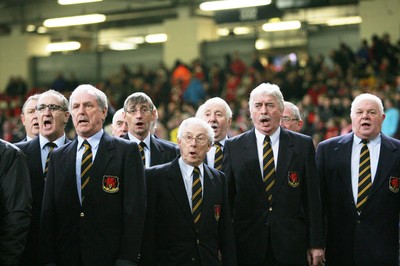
[[74, 20], [156, 38], [63, 46], [344, 21], [281, 26], [232, 4], [73, 2]]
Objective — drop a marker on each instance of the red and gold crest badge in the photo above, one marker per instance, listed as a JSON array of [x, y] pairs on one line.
[[293, 179], [217, 212], [110, 184], [394, 184]]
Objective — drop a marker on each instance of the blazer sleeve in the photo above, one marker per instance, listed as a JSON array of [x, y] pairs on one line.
[[229, 174], [16, 199], [228, 249], [313, 201]]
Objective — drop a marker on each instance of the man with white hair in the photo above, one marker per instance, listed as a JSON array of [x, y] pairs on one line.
[[188, 218], [119, 127], [273, 188], [291, 118], [217, 113], [360, 188]]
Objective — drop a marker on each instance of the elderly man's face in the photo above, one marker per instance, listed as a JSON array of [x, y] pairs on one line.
[[194, 144]]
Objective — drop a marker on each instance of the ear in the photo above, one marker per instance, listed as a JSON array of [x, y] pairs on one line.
[[66, 117]]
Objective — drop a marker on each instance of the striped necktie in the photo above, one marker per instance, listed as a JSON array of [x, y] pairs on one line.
[[268, 167], [364, 176], [51, 146], [142, 145], [197, 196], [218, 156], [86, 165]]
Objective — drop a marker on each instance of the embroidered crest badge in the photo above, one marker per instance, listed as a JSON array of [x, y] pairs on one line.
[[394, 184], [217, 212], [293, 179], [110, 184]]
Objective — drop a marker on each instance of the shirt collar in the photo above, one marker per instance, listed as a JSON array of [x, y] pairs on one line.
[[94, 140], [188, 169], [372, 142], [135, 139], [274, 137], [43, 141]]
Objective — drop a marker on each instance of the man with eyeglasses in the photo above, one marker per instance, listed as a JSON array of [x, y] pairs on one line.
[[52, 114], [217, 113], [188, 220], [273, 188], [291, 118], [140, 114], [119, 127]]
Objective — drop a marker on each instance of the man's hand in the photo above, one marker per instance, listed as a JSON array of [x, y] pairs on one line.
[[315, 256]]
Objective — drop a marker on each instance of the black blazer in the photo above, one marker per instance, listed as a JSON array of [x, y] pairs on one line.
[[109, 224], [161, 151], [370, 238], [170, 237], [32, 152], [293, 222]]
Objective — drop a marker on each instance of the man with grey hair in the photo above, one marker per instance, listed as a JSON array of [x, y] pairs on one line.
[[140, 114], [291, 118], [273, 188], [95, 198], [217, 113], [119, 127], [360, 185], [52, 116], [188, 218], [29, 117]]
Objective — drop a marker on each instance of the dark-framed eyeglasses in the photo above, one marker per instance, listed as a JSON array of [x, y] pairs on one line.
[[52, 108]]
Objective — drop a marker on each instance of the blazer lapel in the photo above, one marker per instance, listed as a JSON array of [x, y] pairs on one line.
[[208, 192], [101, 161], [156, 152], [69, 157], [342, 153], [385, 164], [250, 156], [177, 188], [285, 155]]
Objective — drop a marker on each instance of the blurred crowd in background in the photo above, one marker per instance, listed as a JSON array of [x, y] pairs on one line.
[[322, 87]]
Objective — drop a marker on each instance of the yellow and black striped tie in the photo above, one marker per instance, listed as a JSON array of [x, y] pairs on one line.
[[197, 196], [364, 176], [86, 165], [218, 156], [51, 146], [142, 145], [268, 167]]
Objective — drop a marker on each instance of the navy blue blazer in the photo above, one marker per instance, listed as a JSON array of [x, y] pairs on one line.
[[31, 149], [370, 238], [108, 226], [170, 236], [293, 220]]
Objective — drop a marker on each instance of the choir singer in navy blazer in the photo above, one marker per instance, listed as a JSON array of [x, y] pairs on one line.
[[140, 114], [277, 215], [185, 227], [361, 203], [95, 218]]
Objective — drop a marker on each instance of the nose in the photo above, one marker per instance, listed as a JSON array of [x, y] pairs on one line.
[[264, 109], [212, 118], [125, 127]]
